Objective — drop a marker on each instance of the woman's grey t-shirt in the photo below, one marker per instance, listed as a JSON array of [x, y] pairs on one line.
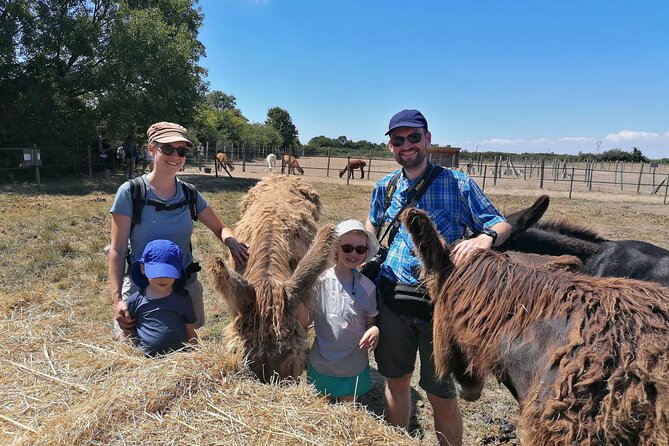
[[175, 225]]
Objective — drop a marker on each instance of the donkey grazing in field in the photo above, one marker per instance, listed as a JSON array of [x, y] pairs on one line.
[[290, 163], [223, 161], [601, 257], [351, 167], [587, 358], [279, 217]]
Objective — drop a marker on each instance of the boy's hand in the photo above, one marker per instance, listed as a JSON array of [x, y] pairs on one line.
[[370, 339], [122, 316]]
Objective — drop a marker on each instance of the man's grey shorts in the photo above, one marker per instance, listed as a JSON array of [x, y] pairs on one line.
[[400, 337]]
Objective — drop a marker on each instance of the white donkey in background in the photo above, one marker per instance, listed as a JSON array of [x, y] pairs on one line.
[[271, 163]]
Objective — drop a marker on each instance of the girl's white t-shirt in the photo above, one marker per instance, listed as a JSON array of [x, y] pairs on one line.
[[340, 322]]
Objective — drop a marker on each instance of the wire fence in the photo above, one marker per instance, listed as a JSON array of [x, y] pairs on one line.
[[616, 177]]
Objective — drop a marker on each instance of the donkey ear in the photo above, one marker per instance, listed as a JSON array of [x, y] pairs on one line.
[[238, 292], [315, 261], [427, 242], [526, 218]]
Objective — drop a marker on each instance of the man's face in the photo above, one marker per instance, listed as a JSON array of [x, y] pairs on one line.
[[409, 155]]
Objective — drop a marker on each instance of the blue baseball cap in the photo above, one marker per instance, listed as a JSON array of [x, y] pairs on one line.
[[161, 258], [407, 118]]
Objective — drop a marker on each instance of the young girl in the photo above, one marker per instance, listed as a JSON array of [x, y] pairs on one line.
[[345, 319]]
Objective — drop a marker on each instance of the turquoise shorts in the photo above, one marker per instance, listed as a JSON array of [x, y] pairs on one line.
[[338, 386]]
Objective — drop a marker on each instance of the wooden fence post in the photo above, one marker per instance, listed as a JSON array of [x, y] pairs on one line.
[[485, 173], [541, 173], [666, 188], [638, 184], [494, 172], [328, 168], [369, 166], [571, 182], [348, 176], [36, 163]]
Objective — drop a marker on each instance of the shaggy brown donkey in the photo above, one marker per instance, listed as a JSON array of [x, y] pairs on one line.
[[586, 358], [286, 256], [352, 166]]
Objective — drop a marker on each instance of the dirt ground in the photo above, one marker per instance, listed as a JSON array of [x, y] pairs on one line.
[[614, 214]]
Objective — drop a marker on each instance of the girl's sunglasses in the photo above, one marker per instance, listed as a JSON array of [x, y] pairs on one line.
[[168, 150], [398, 141], [349, 249]]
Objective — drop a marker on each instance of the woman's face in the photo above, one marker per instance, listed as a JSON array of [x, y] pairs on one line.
[[352, 240], [172, 163]]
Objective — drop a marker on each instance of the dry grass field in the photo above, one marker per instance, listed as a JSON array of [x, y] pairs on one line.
[[65, 381]]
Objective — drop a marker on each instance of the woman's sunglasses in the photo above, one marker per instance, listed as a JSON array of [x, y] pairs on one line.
[[168, 150], [349, 249], [398, 141]]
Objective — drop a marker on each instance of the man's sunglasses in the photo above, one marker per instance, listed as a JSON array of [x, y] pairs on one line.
[[169, 150], [349, 249], [398, 141]]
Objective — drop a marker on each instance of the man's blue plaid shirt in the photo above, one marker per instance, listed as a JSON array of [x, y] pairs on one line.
[[453, 201]]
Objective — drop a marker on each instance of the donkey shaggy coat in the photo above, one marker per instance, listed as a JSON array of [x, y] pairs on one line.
[[278, 222], [586, 358]]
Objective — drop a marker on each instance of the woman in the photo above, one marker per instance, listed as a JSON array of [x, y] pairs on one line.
[[165, 215]]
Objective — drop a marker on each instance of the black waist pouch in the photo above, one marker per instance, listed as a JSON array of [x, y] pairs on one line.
[[405, 299]]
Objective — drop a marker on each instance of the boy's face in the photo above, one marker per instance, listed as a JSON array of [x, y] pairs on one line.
[[159, 283], [353, 258]]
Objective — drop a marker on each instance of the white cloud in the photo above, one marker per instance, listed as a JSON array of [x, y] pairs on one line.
[[502, 142], [542, 141], [579, 139], [629, 135], [666, 134]]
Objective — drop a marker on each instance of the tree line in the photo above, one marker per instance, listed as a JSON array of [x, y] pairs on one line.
[[71, 71]]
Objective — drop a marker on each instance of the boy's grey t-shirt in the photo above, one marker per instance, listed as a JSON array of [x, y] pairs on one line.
[[161, 323], [340, 322], [175, 225]]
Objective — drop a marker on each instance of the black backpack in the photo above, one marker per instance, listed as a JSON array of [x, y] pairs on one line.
[[139, 200]]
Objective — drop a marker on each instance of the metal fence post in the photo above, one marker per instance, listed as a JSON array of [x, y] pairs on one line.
[[36, 162]]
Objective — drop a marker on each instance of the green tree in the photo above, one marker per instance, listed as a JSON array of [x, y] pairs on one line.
[[280, 119], [221, 101], [75, 68]]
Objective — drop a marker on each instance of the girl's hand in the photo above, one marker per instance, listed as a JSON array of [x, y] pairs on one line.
[[370, 339], [239, 251]]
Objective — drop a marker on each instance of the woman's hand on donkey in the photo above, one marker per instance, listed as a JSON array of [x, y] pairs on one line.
[[239, 251]]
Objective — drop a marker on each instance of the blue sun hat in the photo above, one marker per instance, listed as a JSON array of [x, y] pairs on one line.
[[161, 258]]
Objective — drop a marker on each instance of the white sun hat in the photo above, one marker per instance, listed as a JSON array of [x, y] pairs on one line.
[[347, 226]]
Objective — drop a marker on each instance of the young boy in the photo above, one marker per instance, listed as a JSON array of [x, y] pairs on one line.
[[345, 319], [162, 309]]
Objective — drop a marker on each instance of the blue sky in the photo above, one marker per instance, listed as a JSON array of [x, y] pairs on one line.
[[517, 76]]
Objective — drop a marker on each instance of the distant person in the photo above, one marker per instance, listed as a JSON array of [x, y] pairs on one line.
[[345, 319], [105, 153], [162, 308], [167, 210], [455, 204]]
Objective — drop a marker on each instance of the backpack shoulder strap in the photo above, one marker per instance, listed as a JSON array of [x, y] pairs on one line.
[[191, 195], [138, 196]]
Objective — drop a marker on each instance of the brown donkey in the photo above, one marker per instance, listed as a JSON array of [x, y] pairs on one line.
[[352, 166], [587, 358]]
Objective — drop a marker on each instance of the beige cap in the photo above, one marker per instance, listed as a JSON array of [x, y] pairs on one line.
[[167, 132], [356, 225]]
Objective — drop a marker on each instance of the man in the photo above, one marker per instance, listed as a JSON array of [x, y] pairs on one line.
[[455, 203]]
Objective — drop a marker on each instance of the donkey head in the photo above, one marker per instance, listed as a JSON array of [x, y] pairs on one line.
[[263, 307]]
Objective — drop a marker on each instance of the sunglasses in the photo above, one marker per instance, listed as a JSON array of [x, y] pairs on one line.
[[398, 141], [349, 249], [168, 150]]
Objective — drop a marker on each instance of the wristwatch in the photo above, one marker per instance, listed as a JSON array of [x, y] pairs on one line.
[[490, 233]]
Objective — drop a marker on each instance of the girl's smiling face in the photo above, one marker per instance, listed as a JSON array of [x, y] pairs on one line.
[[354, 239]]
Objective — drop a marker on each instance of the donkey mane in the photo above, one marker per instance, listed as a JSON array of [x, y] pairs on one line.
[[572, 229]]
